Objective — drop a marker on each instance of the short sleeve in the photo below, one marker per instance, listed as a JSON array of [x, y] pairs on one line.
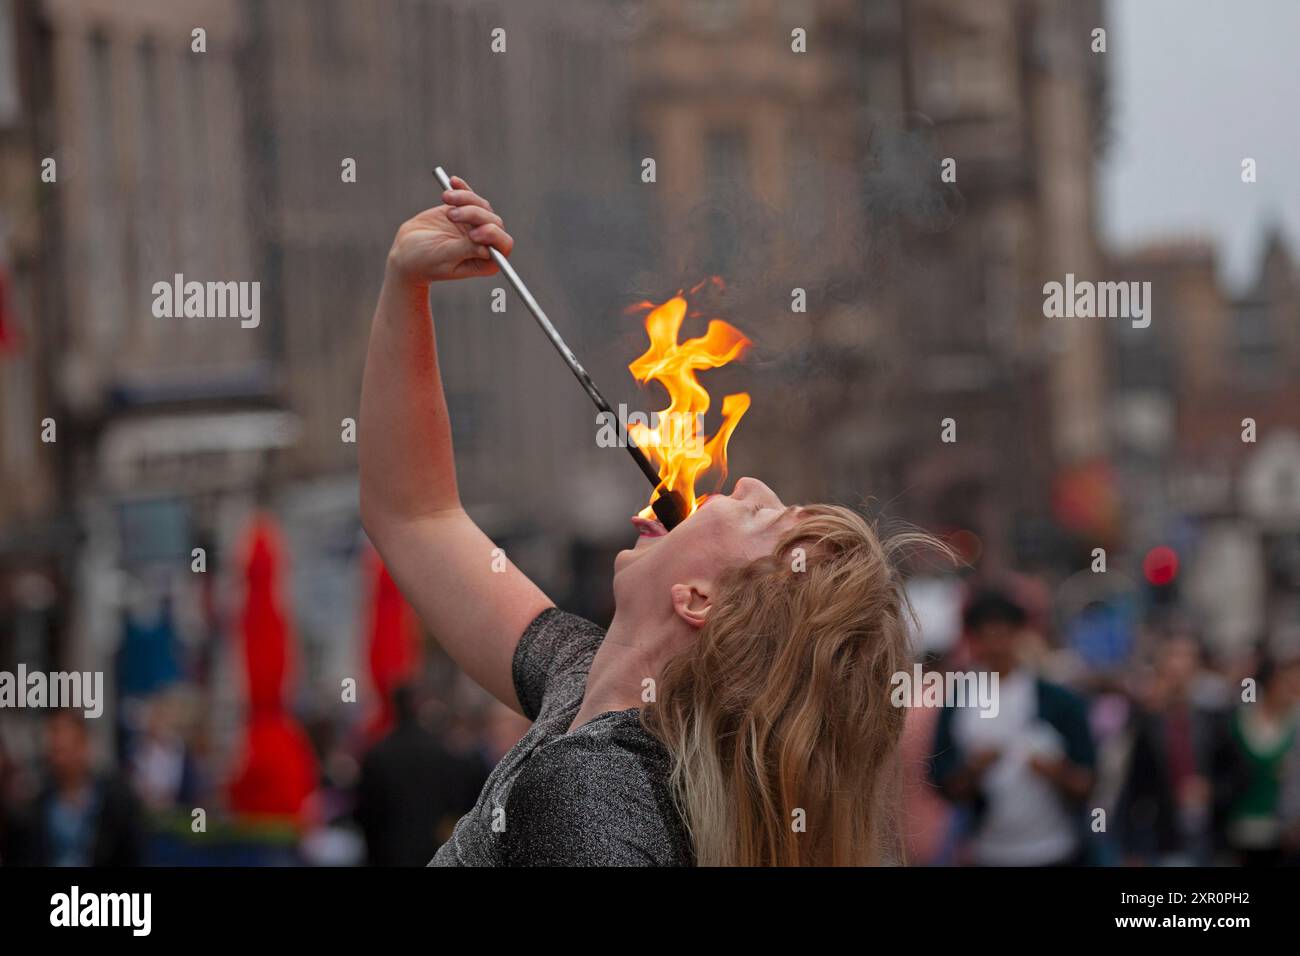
[[552, 659]]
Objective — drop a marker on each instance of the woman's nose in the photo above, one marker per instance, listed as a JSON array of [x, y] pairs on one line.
[[752, 489], [744, 488]]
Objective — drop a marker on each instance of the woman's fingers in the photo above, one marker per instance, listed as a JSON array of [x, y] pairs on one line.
[[478, 264], [473, 213], [473, 216], [464, 197], [493, 235]]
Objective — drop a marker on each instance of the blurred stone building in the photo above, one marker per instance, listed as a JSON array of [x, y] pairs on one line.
[[533, 123], [32, 540], [820, 171], [163, 424], [1017, 98], [1206, 416], [782, 172], [221, 158], [24, 471]]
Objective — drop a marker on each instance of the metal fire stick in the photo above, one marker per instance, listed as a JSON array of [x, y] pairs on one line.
[[668, 506]]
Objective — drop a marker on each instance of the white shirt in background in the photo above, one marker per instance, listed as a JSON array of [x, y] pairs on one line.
[[1026, 821]]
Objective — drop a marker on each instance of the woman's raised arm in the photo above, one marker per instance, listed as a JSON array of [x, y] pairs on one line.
[[410, 505]]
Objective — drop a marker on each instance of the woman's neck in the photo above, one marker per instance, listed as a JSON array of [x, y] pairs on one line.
[[631, 654]]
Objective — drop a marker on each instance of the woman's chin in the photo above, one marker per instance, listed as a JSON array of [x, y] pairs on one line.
[[622, 559]]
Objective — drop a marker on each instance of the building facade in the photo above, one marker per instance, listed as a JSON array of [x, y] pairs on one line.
[[785, 138], [795, 169], [1206, 418]]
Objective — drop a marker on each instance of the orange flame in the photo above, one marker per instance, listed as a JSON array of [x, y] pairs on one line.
[[676, 442]]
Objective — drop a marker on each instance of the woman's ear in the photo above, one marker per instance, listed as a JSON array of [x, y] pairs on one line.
[[691, 604]]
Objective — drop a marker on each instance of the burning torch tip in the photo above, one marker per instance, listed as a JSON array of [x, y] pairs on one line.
[[669, 508]]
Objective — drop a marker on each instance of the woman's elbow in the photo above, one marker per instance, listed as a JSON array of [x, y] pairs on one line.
[[374, 518]]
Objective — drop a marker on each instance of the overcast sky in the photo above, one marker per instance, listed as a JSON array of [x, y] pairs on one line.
[[1196, 86]]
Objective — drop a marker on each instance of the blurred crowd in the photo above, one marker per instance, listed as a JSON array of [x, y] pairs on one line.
[[1171, 756], [1166, 756], [164, 797]]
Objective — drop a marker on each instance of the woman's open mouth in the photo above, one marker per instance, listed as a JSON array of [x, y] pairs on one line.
[[648, 527]]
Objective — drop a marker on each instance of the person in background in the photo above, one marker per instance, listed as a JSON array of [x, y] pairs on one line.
[[411, 791], [80, 818], [1023, 772], [1289, 806], [162, 767], [928, 822], [8, 803], [1110, 712], [1184, 771], [1265, 734]]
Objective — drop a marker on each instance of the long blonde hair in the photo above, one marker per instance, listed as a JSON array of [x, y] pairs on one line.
[[778, 717]]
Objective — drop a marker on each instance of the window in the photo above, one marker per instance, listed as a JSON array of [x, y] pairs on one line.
[[712, 16], [1254, 339], [727, 170], [196, 227], [106, 301], [147, 220], [10, 104]]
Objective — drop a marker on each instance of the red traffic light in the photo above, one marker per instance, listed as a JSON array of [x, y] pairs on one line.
[[1160, 566]]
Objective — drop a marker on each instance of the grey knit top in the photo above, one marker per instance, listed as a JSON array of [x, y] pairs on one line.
[[596, 796]]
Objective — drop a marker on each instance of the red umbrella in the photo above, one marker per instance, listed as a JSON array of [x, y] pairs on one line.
[[394, 643], [278, 771], [9, 337]]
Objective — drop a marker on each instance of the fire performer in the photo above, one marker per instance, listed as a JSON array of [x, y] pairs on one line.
[[737, 711]]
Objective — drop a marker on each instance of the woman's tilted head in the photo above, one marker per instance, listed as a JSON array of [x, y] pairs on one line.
[[778, 714], [678, 573]]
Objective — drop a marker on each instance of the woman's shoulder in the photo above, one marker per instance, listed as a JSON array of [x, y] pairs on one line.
[[552, 658]]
